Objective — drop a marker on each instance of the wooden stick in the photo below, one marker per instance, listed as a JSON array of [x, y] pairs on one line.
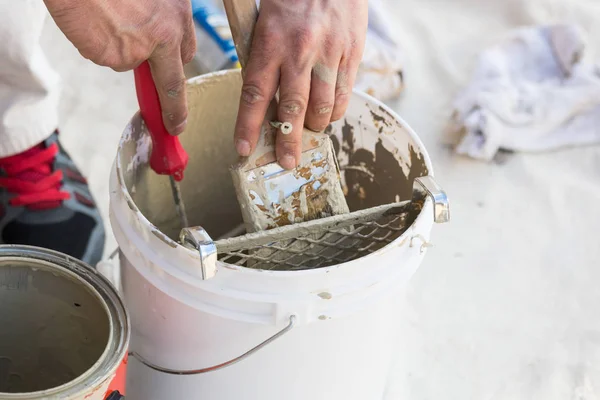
[[242, 16]]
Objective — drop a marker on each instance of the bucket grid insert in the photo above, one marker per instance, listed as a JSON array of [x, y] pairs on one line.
[[324, 242]]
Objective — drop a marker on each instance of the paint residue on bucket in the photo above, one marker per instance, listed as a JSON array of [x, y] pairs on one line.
[[142, 151], [375, 176], [377, 167], [325, 295]]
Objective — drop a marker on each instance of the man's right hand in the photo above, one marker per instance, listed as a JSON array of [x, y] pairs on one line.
[[121, 34]]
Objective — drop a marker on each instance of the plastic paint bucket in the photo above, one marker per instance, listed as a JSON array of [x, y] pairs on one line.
[[214, 339], [64, 331]]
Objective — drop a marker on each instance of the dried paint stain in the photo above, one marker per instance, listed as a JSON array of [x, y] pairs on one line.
[[375, 178]]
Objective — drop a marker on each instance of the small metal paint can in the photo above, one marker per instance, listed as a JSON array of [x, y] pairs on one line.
[[64, 330]]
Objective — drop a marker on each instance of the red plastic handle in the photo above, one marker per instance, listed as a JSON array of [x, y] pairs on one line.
[[168, 156]]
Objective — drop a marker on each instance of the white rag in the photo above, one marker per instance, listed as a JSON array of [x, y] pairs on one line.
[[530, 92]]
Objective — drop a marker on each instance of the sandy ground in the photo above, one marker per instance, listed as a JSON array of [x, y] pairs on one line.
[[506, 304]]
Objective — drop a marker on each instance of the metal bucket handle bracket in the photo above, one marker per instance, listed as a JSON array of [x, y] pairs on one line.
[[441, 205], [288, 327], [199, 240]]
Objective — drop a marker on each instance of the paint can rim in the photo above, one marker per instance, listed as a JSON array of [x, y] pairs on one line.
[[118, 341]]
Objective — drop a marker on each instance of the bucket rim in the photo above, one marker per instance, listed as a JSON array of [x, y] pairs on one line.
[[124, 191], [116, 348]]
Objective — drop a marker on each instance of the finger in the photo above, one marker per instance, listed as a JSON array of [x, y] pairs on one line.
[[169, 78], [346, 78], [188, 44], [322, 96], [261, 79], [294, 90]]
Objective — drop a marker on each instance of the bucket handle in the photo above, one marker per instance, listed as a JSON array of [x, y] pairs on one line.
[[290, 325]]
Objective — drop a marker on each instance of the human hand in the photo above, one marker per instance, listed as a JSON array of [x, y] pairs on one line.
[[121, 34], [310, 50]]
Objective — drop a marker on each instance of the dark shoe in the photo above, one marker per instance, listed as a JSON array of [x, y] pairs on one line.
[[46, 202]]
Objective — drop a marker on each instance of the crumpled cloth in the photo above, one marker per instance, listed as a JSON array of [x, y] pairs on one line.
[[532, 92]]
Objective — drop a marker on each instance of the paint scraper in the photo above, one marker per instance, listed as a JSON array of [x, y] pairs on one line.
[[269, 195], [168, 156]]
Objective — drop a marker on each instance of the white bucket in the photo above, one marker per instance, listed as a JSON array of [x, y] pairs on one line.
[[336, 327], [64, 332]]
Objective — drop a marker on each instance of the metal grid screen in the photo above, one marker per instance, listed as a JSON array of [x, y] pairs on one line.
[[330, 246]]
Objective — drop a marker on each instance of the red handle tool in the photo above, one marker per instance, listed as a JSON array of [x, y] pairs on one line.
[[168, 156]]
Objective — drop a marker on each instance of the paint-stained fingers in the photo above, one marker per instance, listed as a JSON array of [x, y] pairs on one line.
[[346, 77], [294, 91], [322, 96], [261, 78], [169, 78]]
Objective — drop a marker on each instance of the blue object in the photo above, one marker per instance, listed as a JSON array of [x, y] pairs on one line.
[[211, 19]]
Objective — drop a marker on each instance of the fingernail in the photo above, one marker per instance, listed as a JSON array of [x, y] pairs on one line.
[[179, 128], [243, 147], [288, 161], [320, 128]]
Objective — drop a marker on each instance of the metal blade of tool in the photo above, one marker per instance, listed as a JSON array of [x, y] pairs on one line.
[[179, 205], [269, 195]]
